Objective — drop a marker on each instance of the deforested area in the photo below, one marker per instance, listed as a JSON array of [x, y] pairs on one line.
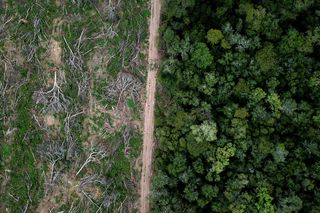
[[238, 115], [72, 77]]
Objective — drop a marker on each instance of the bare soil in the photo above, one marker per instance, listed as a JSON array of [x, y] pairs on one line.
[[50, 120], [55, 52], [148, 131]]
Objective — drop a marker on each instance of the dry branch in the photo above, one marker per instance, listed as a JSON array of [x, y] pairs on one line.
[[126, 136], [73, 209], [52, 152], [33, 39], [136, 50], [4, 20], [92, 179], [109, 199], [125, 83], [76, 64], [52, 100], [3, 88], [69, 123], [75, 60], [96, 154]]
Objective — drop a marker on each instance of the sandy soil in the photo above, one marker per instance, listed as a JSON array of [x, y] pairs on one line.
[[148, 131], [55, 52]]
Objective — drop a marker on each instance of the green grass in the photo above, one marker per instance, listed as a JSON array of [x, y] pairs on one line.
[[22, 163], [25, 182]]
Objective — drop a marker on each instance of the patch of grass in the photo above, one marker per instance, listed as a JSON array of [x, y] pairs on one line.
[[6, 151], [31, 23], [27, 28], [130, 103], [25, 181], [135, 144]]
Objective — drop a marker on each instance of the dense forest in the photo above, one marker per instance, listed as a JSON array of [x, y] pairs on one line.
[[239, 115]]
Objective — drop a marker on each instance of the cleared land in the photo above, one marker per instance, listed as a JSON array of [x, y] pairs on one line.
[[71, 78]]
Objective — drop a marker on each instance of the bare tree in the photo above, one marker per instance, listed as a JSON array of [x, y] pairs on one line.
[[93, 179], [109, 199], [3, 88], [52, 152], [107, 32], [76, 64], [125, 83], [126, 136], [83, 83], [53, 100], [73, 209], [70, 141], [2, 102], [33, 38], [75, 60], [134, 48], [4, 20], [28, 184], [95, 155]]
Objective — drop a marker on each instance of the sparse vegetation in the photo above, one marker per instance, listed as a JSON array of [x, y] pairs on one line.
[[71, 82]]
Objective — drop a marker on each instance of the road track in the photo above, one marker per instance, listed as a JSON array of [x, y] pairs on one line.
[[148, 127]]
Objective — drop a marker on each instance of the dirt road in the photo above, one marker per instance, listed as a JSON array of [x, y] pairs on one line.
[[148, 131]]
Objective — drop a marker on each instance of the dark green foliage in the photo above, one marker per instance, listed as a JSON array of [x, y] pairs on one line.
[[239, 130]]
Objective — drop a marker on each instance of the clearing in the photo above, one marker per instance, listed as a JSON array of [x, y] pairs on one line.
[[148, 131]]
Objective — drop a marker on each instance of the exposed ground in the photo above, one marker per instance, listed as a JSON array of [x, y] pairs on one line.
[[148, 131]]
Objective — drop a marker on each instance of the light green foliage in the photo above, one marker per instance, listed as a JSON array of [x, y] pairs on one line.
[[222, 156], [316, 119], [209, 191], [210, 81], [296, 41], [241, 89], [214, 36], [239, 128], [237, 208], [169, 36], [314, 81], [258, 95], [290, 204], [289, 106], [198, 166], [233, 187], [201, 136], [302, 5], [264, 147], [267, 58], [280, 153], [201, 56], [254, 17], [264, 204], [178, 165], [274, 101], [259, 20], [207, 131], [241, 113], [225, 44]]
